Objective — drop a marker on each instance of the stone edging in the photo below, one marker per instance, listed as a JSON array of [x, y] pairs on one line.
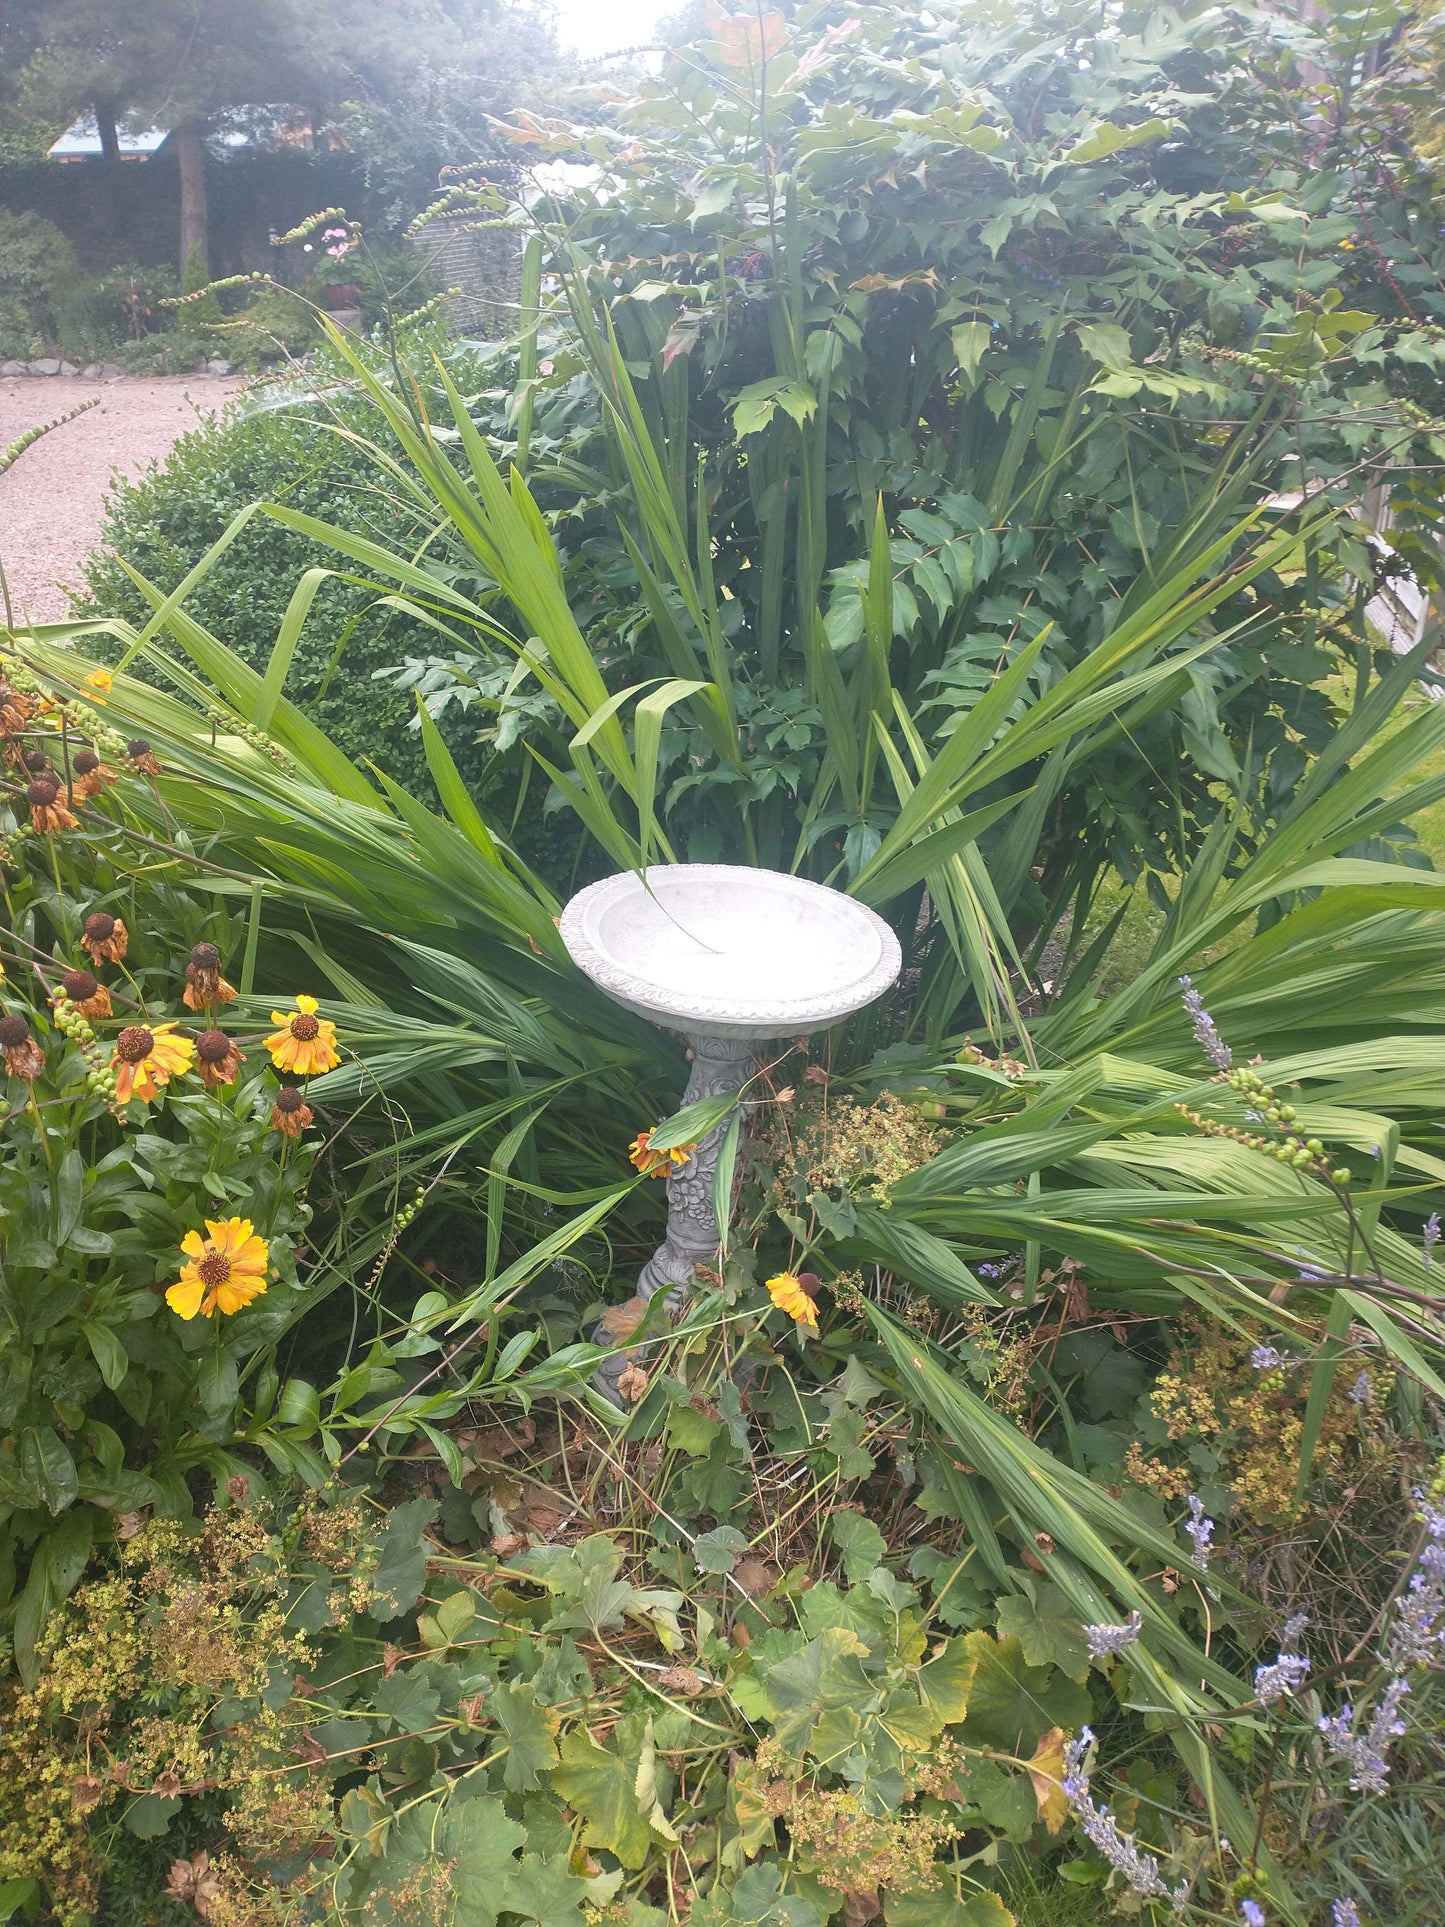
[[110, 370]]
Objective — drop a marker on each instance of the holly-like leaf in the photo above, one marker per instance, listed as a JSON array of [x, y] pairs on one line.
[[529, 1728], [1107, 139], [601, 1786], [401, 1570], [1047, 1630], [970, 338], [1106, 342]]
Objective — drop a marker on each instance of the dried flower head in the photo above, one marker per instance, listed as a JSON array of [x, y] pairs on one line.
[[90, 998], [143, 756], [217, 1058], [205, 986], [23, 1056], [223, 1272], [1107, 1640], [796, 1294], [15, 709], [659, 1164], [104, 938], [290, 1113], [90, 775], [47, 813], [146, 1058], [305, 1043]]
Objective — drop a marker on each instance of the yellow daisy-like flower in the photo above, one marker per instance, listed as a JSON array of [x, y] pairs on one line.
[[305, 1043], [101, 681], [224, 1271], [794, 1295], [146, 1057], [659, 1164]]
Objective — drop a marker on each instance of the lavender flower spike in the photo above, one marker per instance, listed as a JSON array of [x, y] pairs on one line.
[[1283, 1677], [1208, 1038], [1201, 1531], [1344, 1913], [1430, 1237], [1105, 1641], [1102, 1830], [1264, 1358], [1366, 1754], [1251, 1913]]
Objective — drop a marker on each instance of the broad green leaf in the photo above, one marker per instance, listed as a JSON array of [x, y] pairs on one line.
[[530, 1748], [1011, 1705], [400, 1571], [1049, 1632], [601, 1786]]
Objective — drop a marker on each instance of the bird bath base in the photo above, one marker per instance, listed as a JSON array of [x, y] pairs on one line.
[[730, 957]]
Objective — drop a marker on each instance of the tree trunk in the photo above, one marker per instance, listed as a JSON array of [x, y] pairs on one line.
[[105, 123], [191, 154]]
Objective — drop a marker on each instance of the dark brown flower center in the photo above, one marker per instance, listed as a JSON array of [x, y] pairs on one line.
[[138, 746], [304, 1027], [213, 1046], [289, 1099], [13, 1031], [42, 792], [85, 762], [79, 985], [100, 926], [214, 1269], [37, 762], [134, 1043], [205, 956]]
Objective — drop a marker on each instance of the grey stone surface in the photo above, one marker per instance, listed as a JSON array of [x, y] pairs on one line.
[[13, 368], [109, 369], [68, 368], [218, 367], [91, 370], [47, 365]]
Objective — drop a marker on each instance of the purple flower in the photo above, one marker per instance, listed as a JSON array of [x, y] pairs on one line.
[[1430, 1237], [1264, 1358], [1362, 1390], [1367, 1754], [1281, 1678], [1251, 1913], [1207, 1037], [1102, 1830], [1106, 1640], [1201, 1531], [1344, 1913]]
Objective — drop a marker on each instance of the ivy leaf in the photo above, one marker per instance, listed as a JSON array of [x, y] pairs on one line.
[[1011, 1705], [542, 1889], [860, 1542], [1047, 1630], [409, 1698], [602, 1788], [720, 1549], [401, 1570], [944, 1909], [529, 1729], [827, 1674]]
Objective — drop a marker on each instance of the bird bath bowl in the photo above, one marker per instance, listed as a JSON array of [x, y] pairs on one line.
[[730, 957]]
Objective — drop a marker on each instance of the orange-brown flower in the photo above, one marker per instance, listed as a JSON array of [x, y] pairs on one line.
[[143, 756], [224, 1271], [659, 1164], [90, 998], [90, 774], [105, 938], [146, 1058], [306, 1043], [23, 1056], [15, 709], [290, 1114], [205, 985], [47, 813], [795, 1293], [217, 1058]]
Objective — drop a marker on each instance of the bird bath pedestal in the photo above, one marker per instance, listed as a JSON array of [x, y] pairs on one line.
[[729, 957]]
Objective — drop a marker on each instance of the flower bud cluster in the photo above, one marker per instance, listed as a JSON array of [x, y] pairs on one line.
[[1290, 1147], [257, 738], [75, 1027]]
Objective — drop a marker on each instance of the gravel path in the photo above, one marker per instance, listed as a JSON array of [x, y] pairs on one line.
[[51, 500]]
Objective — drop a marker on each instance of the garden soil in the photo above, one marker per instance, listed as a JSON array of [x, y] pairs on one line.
[[51, 500]]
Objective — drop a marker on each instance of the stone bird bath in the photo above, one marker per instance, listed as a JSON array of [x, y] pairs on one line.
[[729, 957]]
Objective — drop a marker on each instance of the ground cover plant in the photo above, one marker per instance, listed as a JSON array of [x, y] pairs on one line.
[[1035, 1514]]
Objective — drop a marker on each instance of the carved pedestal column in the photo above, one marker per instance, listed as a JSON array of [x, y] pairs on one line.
[[718, 1064]]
